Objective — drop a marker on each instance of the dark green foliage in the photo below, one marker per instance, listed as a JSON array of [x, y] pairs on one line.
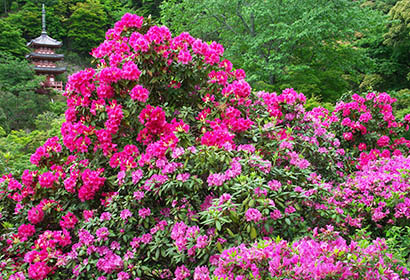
[[398, 37], [390, 49], [28, 20], [146, 7], [19, 102]]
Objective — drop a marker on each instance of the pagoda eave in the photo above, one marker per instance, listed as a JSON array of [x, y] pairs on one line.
[[44, 41], [41, 56], [34, 44], [49, 70]]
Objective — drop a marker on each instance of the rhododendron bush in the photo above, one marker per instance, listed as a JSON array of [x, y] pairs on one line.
[[171, 167]]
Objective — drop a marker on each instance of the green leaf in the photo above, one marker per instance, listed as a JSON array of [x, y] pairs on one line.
[[253, 233], [218, 225]]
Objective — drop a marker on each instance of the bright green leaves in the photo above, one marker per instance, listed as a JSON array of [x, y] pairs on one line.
[[87, 26]]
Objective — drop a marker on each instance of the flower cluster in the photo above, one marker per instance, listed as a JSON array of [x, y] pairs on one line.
[[379, 193], [309, 258]]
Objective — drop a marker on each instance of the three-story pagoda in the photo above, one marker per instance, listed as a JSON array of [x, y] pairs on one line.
[[44, 58]]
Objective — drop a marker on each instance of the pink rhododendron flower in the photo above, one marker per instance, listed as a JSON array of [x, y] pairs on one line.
[[144, 212], [201, 273], [139, 93], [348, 136], [38, 271], [26, 231], [35, 215], [146, 238], [253, 215], [383, 141], [181, 273], [68, 221], [125, 214]]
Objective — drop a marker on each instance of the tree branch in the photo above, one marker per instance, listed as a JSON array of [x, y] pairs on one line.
[[223, 21], [238, 13]]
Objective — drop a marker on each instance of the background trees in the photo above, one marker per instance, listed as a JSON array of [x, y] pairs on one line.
[[309, 44], [86, 26], [19, 103], [11, 41], [398, 38]]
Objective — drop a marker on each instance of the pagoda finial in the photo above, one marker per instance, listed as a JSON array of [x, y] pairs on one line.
[[43, 19]]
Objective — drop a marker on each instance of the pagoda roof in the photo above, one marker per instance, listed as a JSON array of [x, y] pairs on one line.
[[53, 70], [45, 40], [45, 56]]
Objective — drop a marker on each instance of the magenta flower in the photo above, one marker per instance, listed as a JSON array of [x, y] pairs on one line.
[[139, 93], [125, 214], [383, 141], [146, 238], [144, 212], [38, 271], [102, 233], [35, 215], [216, 179], [253, 215], [201, 273], [26, 231], [181, 273], [68, 221]]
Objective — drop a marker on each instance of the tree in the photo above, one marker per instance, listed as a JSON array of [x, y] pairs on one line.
[[28, 20], [388, 50], [11, 41], [398, 36], [87, 25], [280, 41], [147, 7], [19, 103]]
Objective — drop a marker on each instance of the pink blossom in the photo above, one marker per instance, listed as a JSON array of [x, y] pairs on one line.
[[348, 136], [201, 273], [38, 271], [216, 179], [102, 233], [253, 214], [383, 141], [105, 216], [35, 215], [184, 57], [183, 177], [201, 241], [125, 214], [274, 185], [123, 276], [290, 210], [276, 214], [144, 212], [25, 231], [146, 238], [68, 221], [136, 176], [181, 273], [139, 93]]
